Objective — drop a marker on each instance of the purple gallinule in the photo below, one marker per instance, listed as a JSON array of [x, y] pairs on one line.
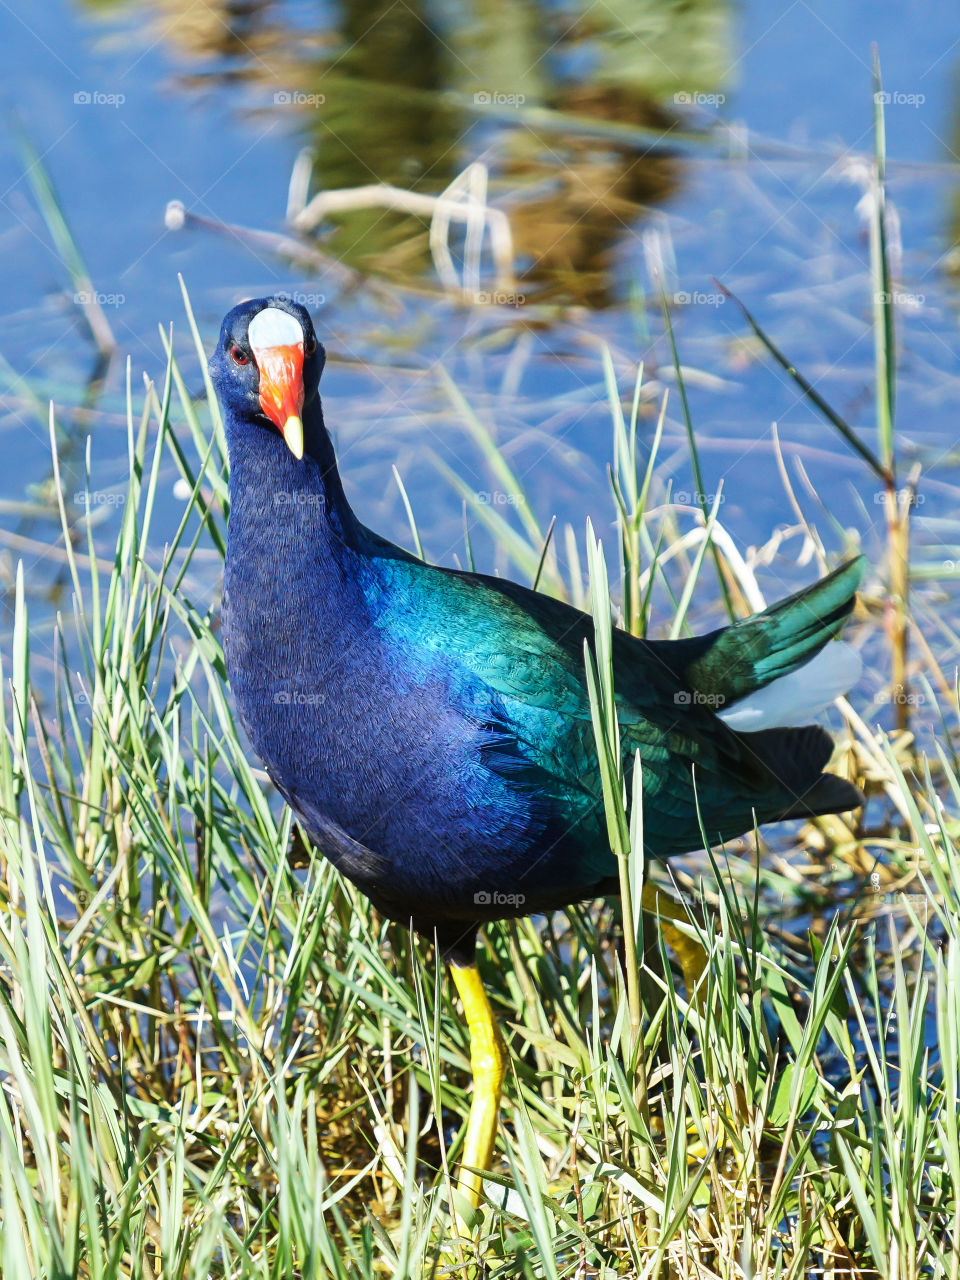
[[431, 728]]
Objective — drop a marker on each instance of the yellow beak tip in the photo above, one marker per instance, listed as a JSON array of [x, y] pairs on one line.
[[293, 435]]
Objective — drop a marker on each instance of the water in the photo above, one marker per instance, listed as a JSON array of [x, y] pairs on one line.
[[701, 140], [142, 104], [605, 177]]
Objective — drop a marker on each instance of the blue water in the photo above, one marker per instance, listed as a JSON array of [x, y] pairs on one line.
[[178, 110]]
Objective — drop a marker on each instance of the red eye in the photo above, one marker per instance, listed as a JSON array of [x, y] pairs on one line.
[[239, 356], [310, 346]]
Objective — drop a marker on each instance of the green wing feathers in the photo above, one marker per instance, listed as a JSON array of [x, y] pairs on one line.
[[528, 649], [742, 658]]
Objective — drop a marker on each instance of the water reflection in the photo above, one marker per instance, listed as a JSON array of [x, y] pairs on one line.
[[409, 94]]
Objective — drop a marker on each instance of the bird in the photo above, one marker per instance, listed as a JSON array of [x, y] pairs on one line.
[[431, 727]]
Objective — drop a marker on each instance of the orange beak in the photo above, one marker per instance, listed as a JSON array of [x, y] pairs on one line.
[[281, 390]]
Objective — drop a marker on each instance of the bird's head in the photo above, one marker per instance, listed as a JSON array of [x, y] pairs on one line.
[[267, 366]]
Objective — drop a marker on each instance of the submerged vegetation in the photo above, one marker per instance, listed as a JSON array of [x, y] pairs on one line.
[[216, 1060]]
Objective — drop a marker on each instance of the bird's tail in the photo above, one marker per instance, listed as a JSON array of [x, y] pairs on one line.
[[796, 698], [795, 758], [772, 669]]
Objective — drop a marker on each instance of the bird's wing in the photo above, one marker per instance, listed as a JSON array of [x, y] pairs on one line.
[[698, 772], [529, 649]]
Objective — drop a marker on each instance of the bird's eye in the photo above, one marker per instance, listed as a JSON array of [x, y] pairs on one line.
[[239, 356], [310, 346]]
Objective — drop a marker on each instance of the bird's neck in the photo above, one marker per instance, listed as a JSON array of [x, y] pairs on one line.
[[279, 501]]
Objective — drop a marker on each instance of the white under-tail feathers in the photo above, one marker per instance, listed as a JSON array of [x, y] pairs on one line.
[[797, 698]]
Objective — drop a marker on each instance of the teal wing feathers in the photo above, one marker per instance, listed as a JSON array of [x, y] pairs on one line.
[[740, 659], [529, 650]]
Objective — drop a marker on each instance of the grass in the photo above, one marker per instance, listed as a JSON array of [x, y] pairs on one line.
[[215, 1064]]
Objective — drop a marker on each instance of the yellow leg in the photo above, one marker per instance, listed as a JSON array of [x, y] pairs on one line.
[[487, 1064], [690, 953]]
